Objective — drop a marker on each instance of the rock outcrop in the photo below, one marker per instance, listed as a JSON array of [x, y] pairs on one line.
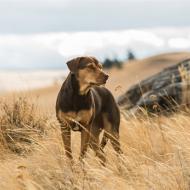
[[165, 91]]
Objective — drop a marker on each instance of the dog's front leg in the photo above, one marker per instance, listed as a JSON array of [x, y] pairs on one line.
[[85, 137], [66, 135]]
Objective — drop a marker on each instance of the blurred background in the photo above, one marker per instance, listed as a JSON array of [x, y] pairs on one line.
[[37, 37]]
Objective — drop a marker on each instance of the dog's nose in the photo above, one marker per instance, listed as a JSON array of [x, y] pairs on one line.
[[106, 76]]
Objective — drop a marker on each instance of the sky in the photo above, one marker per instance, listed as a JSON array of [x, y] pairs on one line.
[[34, 16], [38, 34]]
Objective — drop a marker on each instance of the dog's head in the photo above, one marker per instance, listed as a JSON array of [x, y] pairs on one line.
[[88, 71]]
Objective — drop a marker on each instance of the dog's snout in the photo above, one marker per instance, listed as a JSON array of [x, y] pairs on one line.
[[106, 76]]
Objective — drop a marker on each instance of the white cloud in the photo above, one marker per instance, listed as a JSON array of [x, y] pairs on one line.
[[53, 49], [180, 43]]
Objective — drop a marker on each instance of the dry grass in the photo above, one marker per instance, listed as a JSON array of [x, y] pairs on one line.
[[156, 156], [20, 125]]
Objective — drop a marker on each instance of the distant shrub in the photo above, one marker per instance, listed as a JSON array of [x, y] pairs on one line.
[[109, 63], [130, 55]]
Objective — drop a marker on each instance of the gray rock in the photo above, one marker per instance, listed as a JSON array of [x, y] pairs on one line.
[[165, 91]]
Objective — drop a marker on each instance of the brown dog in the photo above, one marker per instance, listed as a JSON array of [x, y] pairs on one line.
[[83, 105]]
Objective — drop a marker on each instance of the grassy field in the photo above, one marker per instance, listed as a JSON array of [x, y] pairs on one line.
[[156, 150], [156, 153]]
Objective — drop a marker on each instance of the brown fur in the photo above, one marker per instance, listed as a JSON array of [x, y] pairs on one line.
[[83, 105]]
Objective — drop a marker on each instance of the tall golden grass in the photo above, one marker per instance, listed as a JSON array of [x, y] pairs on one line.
[[20, 124], [156, 154]]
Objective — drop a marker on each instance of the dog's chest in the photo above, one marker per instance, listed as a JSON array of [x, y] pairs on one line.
[[83, 116]]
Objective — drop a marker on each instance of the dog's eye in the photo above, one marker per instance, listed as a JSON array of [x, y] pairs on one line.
[[91, 66]]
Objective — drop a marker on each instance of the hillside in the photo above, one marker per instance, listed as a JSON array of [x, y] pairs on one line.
[[156, 150], [135, 71], [119, 81]]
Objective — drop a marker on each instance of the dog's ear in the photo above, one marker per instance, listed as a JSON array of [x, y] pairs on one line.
[[73, 64], [94, 59]]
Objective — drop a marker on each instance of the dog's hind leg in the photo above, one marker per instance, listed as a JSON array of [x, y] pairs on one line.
[[114, 138], [94, 143], [111, 132], [85, 137]]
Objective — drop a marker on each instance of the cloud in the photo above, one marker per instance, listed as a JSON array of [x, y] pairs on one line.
[[52, 50], [17, 51], [39, 54], [179, 43]]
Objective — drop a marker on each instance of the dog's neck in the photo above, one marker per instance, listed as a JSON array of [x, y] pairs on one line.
[[79, 89], [72, 96]]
